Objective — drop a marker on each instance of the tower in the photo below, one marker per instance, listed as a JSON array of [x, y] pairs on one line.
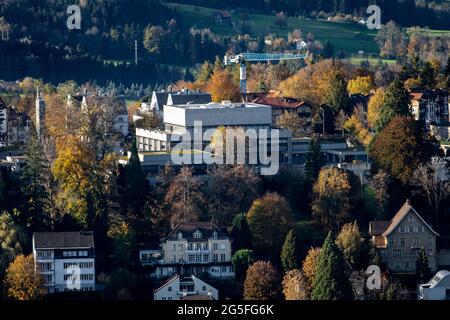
[[40, 113]]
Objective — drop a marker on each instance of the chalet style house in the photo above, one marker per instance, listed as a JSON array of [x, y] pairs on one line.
[[399, 240], [191, 248]]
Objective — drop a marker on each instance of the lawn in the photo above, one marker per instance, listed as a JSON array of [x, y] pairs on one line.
[[373, 61], [349, 37]]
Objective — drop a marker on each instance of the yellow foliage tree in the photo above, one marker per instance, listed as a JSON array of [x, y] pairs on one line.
[[309, 267], [358, 130], [361, 85], [223, 86], [22, 282], [295, 285], [374, 106]]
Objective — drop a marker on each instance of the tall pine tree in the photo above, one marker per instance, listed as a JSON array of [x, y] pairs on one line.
[[314, 160], [35, 179], [289, 252], [423, 270], [240, 233], [331, 281]]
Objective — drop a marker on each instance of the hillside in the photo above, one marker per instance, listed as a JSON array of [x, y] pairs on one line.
[[348, 37]]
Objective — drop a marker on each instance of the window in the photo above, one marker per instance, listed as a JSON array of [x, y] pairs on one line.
[[406, 264], [205, 246], [402, 230], [198, 246], [214, 235], [198, 258], [391, 241], [430, 240], [215, 246], [420, 229], [215, 257], [204, 288], [67, 254], [197, 234], [83, 253], [397, 253], [169, 289], [223, 269], [222, 246], [87, 277], [429, 252], [174, 258], [205, 258], [191, 258], [180, 246], [410, 218], [190, 246], [402, 242], [222, 257], [416, 241], [174, 247]]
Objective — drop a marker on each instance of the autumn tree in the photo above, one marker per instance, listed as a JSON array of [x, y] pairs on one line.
[[432, 179], [289, 252], [401, 147], [185, 196], [395, 103], [350, 242], [241, 260], [22, 282], [261, 282], [427, 76], [358, 131], [337, 95], [231, 190], [374, 107], [332, 201], [309, 267], [378, 185], [331, 281], [390, 40], [153, 38], [361, 84], [269, 219], [12, 240], [292, 122], [223, 87], [423, 270], [295, 285]]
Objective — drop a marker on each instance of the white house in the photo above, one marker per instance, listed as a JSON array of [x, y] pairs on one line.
[[185, 288], [438, 288], [66, 260]]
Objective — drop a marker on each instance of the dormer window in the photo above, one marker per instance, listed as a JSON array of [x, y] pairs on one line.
[[197, 234], [180, 236], [214, 235], [411, 219]]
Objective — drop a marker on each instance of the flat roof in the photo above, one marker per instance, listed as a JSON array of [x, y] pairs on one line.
[[215, 105]]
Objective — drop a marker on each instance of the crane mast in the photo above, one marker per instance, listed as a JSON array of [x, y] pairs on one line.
[[242, 58]]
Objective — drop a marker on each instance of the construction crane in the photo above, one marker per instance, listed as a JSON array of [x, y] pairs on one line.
[[242, 58]]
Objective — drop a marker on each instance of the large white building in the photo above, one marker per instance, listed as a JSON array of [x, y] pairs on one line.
[[66, 260], [185, 288], [197, 248]]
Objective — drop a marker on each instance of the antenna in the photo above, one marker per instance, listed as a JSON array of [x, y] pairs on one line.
[[135, 52]]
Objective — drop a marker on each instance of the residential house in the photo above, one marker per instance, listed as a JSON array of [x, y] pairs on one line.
[[185, 288], [222, 17], [66, 260], [197, 248], [430, 106], [438, 288], [399, 240], [281, 105]]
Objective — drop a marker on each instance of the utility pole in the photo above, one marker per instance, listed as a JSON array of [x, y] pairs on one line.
[[135, 52]]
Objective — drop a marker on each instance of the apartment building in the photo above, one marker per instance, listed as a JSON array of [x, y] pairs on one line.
[[66, 260], [430, 106], [197, 248], [399, 240]]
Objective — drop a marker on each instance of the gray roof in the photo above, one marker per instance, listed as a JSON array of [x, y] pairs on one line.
[[192, 98], [188, 228], [72, 239]]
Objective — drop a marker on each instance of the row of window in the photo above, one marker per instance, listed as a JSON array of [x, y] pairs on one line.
[[199, 258], [415, 241], [82, 277], [199, 246], [411, 229], [74, 253], [398, 252], [44, 254], [81, 265]]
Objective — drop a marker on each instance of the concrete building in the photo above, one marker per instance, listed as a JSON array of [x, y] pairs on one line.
[[399, 240], [66, 260], [430, 107], [194, 248], [438, 288], [185, 288]]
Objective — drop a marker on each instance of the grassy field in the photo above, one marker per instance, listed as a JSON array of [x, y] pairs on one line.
[[373, 61], [309, 233], [435, 33], [344, 36]]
